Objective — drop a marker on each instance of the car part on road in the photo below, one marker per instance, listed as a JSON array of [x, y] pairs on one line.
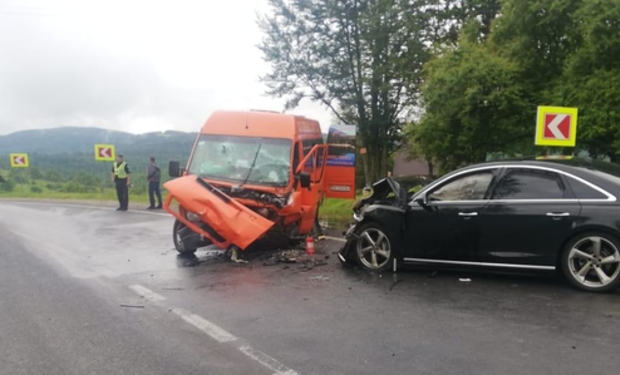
[[373, 248], [591, 262]]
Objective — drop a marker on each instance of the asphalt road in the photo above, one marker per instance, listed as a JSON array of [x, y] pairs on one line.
[[87, 290]]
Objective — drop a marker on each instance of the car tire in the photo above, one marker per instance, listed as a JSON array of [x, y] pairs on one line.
[[591, 262], [178, 244], [374, 249]]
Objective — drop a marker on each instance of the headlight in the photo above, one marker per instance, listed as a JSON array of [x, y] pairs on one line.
[[193, 217], [357, 217], [290, 199]]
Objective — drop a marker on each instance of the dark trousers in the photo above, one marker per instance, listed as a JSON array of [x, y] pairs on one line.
[[122, 192], [154, 191]]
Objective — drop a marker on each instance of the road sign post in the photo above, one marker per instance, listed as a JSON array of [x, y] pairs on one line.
[[556, 126], [104, 152], [19, 161]]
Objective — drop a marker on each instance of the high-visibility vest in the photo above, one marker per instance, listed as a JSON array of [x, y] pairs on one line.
[[119, 170]]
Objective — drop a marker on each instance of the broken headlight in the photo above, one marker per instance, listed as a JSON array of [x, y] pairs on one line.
[[193, 217]]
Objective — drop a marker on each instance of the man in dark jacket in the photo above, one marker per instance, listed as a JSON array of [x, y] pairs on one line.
[[153, 175], [122, 178]]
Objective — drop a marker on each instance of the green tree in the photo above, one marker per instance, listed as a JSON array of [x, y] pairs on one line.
[[362, 59], [474, 105], [591, 80]]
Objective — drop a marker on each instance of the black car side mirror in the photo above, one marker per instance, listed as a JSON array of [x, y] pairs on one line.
[[304, 179], [421, 200], [174, 169]]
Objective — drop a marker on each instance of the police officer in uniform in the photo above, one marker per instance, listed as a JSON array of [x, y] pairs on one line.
[[122, 179]]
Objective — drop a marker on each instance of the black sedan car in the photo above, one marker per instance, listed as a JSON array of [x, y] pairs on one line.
[[526, 215]]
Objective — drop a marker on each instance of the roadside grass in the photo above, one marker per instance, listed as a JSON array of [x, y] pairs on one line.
[[336, 212]]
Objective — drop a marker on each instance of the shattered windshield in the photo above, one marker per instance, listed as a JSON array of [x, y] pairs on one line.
[[230, 158]]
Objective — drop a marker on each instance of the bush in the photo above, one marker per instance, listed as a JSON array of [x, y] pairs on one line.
[[7, 186], [36, 189], [54, 187]]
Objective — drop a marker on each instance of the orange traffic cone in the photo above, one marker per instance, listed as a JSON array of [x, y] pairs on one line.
[[309, 245]]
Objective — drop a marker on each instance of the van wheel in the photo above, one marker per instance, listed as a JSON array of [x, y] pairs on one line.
[[373, 249], [176, 238], [591, 262]]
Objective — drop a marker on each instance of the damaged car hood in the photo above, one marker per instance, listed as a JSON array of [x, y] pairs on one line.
[[223, 220], [385, 191]]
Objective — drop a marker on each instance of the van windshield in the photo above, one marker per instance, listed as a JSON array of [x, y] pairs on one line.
[[227, 157]]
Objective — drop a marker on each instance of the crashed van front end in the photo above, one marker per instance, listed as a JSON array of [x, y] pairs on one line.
[[209, 212]]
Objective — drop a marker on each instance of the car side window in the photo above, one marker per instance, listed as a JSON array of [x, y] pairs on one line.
[[583, 191], [532, 184], [470, 187]]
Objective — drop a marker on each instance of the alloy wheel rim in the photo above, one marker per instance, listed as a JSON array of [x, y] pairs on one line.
[[373, 248], [594, 262]]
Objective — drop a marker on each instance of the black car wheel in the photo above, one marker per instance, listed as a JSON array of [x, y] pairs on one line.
[[176, 237], [373, 249], [591, 262]]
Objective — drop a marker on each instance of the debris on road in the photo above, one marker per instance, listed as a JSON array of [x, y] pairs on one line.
[[394, 283], [320, 278], [432, 275], [464, 280], [132, 306], [169, 288], [388, 350]]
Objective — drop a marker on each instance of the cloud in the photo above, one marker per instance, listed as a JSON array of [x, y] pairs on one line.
[[130, 65]]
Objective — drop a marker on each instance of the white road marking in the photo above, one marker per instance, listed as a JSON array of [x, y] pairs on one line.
[[147, 293], [267, 361], [553, 126], [335, 239], [205, 326]]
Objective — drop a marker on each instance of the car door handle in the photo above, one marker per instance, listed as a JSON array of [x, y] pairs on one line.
[[468, 214], [558, 214]]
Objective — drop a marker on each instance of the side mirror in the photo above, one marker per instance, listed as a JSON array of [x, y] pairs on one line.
[[304, 179], [174, 169], [421, 200]]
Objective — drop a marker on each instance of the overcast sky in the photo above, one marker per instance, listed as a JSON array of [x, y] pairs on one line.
[[131, 65]]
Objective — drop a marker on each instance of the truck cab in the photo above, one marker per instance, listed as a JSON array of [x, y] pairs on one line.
[[252, 173]]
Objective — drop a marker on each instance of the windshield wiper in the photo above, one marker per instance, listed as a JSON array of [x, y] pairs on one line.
[[247, 176]]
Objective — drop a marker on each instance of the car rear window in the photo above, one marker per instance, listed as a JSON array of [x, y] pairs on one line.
[[530, 184], [583, 191]]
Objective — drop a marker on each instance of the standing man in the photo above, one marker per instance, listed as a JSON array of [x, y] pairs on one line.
[[122, 178], [153, 175]]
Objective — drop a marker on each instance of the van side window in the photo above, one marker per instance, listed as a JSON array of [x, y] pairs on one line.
[[307, 147]]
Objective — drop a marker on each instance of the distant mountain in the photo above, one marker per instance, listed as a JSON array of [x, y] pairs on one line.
[[70, 150], [75, 139]]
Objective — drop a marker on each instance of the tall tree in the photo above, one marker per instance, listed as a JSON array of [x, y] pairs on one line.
[[591, 80], [474, 105], [362, 59]]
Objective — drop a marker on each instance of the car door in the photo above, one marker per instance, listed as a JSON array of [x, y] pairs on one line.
[[531, 213], [445, 226]]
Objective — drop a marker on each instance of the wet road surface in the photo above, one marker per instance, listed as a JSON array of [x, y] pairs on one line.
[[86, 290]]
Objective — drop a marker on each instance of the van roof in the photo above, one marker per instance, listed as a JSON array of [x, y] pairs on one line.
[[259, 124]]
